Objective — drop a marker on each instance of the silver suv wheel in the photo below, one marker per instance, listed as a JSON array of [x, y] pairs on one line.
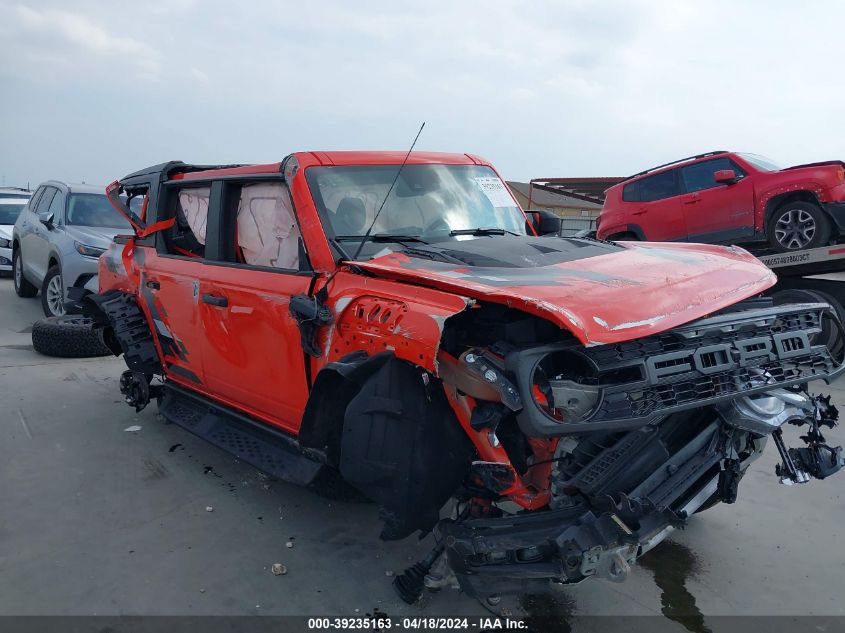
[[18, 271], [55, 295]]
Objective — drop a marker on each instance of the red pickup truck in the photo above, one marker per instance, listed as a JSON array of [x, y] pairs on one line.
[[732, 198]]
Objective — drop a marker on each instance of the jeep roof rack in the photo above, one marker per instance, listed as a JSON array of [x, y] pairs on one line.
[[675, 162]]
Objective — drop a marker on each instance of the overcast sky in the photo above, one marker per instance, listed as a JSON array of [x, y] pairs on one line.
[[94, 90]]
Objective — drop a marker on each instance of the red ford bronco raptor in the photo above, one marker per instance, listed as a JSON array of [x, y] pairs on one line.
[[400, 319]]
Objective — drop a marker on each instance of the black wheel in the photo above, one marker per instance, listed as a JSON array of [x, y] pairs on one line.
[[798, 225], [68, 337], [22, 287], [53, 293]]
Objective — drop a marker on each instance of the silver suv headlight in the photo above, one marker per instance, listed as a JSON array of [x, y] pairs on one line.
[[88, 251]]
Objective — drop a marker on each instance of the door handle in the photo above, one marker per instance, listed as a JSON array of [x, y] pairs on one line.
[[640, 212], [220, 302], [692, 201]]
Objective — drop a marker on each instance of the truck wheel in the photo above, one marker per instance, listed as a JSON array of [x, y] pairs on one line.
[[798, 225], [68, 337], [22, 287], [53, 293]]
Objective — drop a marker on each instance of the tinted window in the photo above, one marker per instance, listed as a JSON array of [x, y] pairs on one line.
[[631, 192], [35, 199], [658, 186], [46, 199], [701, 175], [57, 207]]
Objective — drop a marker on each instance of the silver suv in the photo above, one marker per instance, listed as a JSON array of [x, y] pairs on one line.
[[57, 240]]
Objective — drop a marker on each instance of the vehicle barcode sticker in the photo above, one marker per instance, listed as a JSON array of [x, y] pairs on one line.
[[495, 191]]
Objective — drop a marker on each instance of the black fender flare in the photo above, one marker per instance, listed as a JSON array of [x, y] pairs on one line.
[[403, 447], [332, 391]]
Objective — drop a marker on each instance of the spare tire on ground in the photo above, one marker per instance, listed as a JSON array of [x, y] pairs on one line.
[[68, 337]]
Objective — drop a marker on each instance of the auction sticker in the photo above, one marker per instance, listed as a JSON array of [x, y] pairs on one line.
[[495, 190]]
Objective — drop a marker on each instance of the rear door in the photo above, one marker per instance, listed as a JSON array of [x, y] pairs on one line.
[[253, 356], [717, 212], [35, 244], [656, 208], [170, 280]]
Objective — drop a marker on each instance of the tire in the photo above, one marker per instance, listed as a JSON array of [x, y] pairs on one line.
[[68, 337], [53, 293], [22, 287], [798, 225]]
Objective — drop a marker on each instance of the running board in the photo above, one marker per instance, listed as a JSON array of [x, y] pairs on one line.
[[270, 451]]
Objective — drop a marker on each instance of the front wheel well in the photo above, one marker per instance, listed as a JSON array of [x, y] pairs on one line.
[[333, 389], [775, 202]]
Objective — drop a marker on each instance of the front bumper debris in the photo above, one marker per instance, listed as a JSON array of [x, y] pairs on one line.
[[602, 534]]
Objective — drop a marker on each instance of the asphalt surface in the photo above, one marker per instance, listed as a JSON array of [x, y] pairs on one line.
[[99, 519]]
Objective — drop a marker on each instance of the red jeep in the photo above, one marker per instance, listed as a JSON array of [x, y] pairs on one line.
[[401, 323], [730, 198]]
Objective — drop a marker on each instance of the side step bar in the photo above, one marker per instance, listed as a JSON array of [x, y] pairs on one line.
[[253, 442]]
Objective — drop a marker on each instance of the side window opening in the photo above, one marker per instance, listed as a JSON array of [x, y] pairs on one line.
[[699, 176], [57, 208], [266, 231], [190, 208], [659, 186], [46, 199]]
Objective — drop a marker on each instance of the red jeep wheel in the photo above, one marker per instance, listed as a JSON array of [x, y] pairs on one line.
[[798, 225]]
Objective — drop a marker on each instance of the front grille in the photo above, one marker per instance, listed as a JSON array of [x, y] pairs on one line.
[[709, 360]]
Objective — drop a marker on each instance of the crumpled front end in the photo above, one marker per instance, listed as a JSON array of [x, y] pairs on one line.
[[638, 436]]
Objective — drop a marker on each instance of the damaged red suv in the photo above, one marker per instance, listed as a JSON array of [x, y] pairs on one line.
[[404, 324]]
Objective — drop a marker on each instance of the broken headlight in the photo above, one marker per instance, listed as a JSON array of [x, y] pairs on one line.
[[565, 386]]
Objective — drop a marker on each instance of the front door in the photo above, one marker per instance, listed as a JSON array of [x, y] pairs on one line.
[[35, 244], [714, 212], [253, 356]]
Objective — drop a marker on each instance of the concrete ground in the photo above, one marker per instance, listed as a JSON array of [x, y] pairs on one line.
[[99, 519]]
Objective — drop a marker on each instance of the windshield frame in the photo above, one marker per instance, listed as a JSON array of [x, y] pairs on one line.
[[760, 163], [342, 244]]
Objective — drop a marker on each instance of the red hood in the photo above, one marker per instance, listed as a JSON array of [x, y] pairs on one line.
[[826, 163], [604, 295]]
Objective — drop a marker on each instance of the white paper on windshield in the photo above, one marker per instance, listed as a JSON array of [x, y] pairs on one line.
[[495, 191]]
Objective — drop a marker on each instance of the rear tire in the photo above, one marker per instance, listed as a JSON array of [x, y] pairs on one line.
[[22, 287], [68, 337], [797, 226], [53, 293]]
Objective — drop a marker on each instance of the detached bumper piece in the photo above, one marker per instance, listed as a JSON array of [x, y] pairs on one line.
[[521, 554], [816, 460], [618, 495]]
